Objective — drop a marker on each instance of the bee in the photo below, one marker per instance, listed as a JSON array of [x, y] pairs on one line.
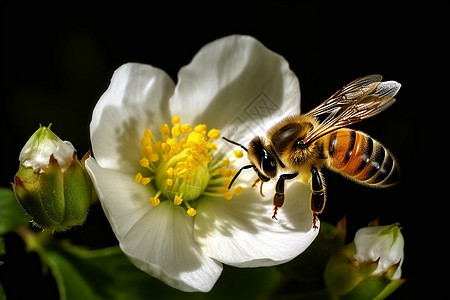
[[300, 146]]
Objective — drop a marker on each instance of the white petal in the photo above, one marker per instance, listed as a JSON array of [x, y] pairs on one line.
[[162, 244], [241, 231], [158, 240], [122, 199], [237, 85], [136, 99]]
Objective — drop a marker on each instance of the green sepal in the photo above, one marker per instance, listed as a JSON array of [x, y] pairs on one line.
[[51, 189], [368, 289], [343, 273], [77, 194], [28, 196], [390, 288]]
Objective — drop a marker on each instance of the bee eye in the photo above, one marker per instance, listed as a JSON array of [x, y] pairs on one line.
[[268, 164], [262, 158]]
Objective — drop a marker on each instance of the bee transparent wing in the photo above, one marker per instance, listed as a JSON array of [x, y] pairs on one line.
[[359, 100], [348, 94]]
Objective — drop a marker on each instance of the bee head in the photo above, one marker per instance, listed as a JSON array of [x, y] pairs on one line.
[[262, 160]]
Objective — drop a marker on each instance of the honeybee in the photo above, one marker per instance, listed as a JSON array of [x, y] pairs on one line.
[[300, 146]]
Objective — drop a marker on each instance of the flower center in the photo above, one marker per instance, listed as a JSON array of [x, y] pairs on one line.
[[182, 165]]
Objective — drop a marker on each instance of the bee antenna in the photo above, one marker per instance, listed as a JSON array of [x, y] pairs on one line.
[[239, 172], [235, 143]]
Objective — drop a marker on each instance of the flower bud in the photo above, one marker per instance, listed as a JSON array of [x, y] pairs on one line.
[[369, 267], [52, 184]]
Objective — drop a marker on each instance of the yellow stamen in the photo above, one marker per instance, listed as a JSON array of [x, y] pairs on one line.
[[154, 201], [191, 212], [138, 177], [164, 129], [175, 120], [178, 200], [154, 157], [212, 147], [238, 153], [145, 180], [186, 128], [147, 150], [176, 130], [238, 190], [148, 134], [144, 162], [146, 142], [170, 171], [181, 165], [165, 147], [214, 134], [226, 193], [201, 128]]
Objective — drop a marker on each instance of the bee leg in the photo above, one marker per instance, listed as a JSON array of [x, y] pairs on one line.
[[318, 194], [278, 198], [260, 187]]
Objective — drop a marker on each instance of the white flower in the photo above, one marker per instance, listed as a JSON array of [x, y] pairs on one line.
[[382, 243], [171, 211]]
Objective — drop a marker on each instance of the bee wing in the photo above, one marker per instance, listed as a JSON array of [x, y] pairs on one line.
[[358, 100], [348, 94]]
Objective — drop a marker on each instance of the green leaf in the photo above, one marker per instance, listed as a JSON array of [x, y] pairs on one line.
[[11, 214], [98, 274], [2, 293], [107, 274], [2, 247]]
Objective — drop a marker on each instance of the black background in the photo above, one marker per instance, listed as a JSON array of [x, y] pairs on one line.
[[57, 61]]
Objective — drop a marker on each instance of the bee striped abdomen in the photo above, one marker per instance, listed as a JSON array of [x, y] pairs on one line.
[[360, 157]]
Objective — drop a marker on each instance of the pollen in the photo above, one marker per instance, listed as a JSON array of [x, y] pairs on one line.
[[183, 167], [145, 180], [238, 153], [177, 200], [176, 130], [153, 157], [238, 190], [227, 194], [154, 201], [175, 120], [148, 134], [144, 162], [191, 212], [138, 177], [214, 134], [186, 128], [164, 129]]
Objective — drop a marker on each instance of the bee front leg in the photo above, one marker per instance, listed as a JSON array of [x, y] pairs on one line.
[[278, 198], [260, 187], [318, 194]]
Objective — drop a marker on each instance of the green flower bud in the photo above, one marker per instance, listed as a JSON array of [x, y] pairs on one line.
[[369, 267], [52, 184]]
